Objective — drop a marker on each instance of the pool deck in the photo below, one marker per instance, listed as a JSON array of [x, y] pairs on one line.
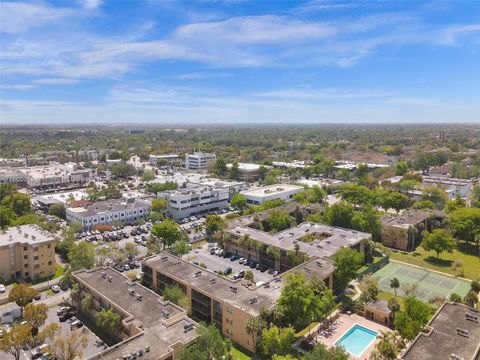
[[345, 323]]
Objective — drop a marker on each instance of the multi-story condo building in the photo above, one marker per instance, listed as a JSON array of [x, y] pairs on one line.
[[151, 328], [109, 211], [198, 200], [199, 160], [453, 333], [226, 303], [278, 191], [27, 252], [170, 159]]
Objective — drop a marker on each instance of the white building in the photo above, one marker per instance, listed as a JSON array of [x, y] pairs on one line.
[[199, 200], [452, 186], [321, 182], [109, 211], [199, 160], [13, 176], [170, 159], [278, 191]]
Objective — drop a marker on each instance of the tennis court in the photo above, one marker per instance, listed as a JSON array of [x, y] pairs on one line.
[[429, 283]]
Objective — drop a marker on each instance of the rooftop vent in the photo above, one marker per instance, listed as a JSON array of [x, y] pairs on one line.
[[165, 314], [110, 279], [233, 289], [104, 275], [198, 273], [471, 317], [253, 300], [462, 332], [187, 328], [139, 297], [213, 281], [131, 292]]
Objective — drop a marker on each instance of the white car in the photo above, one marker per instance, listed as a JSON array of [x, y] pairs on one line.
[[56, 289], [2, 288]]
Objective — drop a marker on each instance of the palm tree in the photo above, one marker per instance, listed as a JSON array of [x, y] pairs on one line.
[[75, 292], [393, 306], [471, 299], [253, 326], [87, 303], [387, 347], [394, 284], [108, 321]]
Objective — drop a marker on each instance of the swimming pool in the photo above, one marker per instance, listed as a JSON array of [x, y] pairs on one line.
[[357, 339]]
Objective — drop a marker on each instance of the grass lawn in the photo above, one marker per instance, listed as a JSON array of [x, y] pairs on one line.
[[237, 354], [58, 272], [465, 252], [306, 330]]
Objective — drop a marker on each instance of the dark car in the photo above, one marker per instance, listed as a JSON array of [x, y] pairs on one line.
[[65, 316], [234, 257], [253, 264]]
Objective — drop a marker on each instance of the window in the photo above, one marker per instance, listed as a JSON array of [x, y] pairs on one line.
[[50, 262], [25, 257], [25, 266], [36, 257], [49, 246], [24, 248], [26, 274]]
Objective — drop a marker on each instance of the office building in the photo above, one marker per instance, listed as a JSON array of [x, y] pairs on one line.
[[199, 160], [451, 186], [169, 159], [27, 252], [249, 171], [107, 212], [273, 192], [197, 200], [150, 326]]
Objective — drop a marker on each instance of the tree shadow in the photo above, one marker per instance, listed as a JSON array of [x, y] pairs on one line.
[[467, 248], [439, 262]]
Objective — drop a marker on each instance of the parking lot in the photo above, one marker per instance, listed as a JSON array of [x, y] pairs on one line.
[[220, 263]]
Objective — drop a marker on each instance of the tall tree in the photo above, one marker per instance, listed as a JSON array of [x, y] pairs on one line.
[[276, 341], [12, 342], [253, 326], [394, 284], [214, 223], [438, 240], [346, 261], [411, 320], [70, 347], [82, 255], [35, 316], [168, 232], [22, 294], [108, 320]]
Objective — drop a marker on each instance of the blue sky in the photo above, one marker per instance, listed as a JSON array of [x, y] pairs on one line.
[[320, 61]]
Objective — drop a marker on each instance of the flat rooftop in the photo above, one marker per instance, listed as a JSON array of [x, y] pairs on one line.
[[25, 234], [333, 238], [159, 332], [271, 190], [409, 218], [220, 288], [108, 206], [443, 340], [246, 167]]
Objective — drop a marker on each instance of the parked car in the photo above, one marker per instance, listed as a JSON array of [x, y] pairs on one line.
[[239, 275], [76, 324], [234, 257], [56, 289], [65, 316], [2, 288]]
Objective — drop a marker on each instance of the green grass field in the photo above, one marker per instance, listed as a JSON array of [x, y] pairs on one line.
[[465, 252], [237, 354], [429, 283]]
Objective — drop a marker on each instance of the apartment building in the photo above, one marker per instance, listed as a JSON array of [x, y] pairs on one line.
[[13, 176], [311, 239], [452, 186], [197, 200], [27, 252], [199, 160], [150, 326], [109, 211], [453, 333], [278, 191], [226, 303], [170, 159], [404, 232]]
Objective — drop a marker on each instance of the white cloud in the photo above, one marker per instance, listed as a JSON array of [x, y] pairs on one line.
[[453, 33], [201, 75], [55, 81], [92, 4], [20, 17]]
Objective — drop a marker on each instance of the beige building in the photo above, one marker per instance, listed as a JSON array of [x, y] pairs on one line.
[[150, 326], [27, 252], [217, 300], [378, 311], [404, 232]]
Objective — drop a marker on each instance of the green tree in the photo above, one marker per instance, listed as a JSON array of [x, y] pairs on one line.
[[22, 294], [234, 172], [438, 240], [35, 316], [180, 248], [346, 261], [253, 326], [393, 306], [301, 300], [270, 180], [209, 345], [320, 351], [465, 224], [82, 255], [471, 299], [388, 346], [394, 285], [276, 341], [435, 195], [357, 195], [249, 276], [401, 168], [339, 214], [168, 232], [214, 223], [70, 347], [19, 336], [57, 210], [239, 202], [108, 320], [220, 167], [176, 295], [87, 303], [159, 205], [123, 170], [455, 204], [148, 175], [411, 320], [279, 220]]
